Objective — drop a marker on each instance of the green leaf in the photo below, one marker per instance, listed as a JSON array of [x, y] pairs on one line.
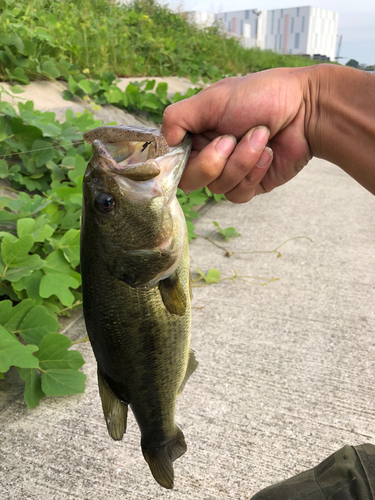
[[60, 382], [11, 317], [19, 44], [161, 91], [31, 285], [114, 95], [88, 86], [150, 85], [80, 165], [36, 227], [49, 68], [53, 353], [58, 284], [19, 75], [56, 262], [67, 95], [16, 253], [3, 169], [14, 275], [7, 109], [212, 276], [70, 245], [13, 353], [228, 232], [33, 388], [29, 47], [36, 324], [16, 89], [191, 230]]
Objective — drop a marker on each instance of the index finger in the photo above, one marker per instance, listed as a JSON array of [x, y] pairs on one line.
[[196, 114]]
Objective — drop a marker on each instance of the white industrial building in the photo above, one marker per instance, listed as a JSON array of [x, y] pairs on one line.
[[201, 18], [248, 25], [296, 30], [302, 30]]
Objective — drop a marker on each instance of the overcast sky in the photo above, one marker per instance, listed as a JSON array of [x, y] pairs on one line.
[[356, 19]]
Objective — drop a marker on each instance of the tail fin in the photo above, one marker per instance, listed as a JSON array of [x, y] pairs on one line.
[[160, 459], [115, 411]]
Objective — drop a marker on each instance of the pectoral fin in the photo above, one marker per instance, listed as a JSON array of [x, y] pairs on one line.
[[115, 411], [191, 367], [173, 295]]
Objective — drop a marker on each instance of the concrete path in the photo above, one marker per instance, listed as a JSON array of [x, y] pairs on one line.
[[286, 373]]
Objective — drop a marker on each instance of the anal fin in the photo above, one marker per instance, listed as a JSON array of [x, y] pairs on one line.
[[173, 295], [191, 367], [160, 459], [115, 411]]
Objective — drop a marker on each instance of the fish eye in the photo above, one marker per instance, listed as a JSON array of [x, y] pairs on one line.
[[105, 202]]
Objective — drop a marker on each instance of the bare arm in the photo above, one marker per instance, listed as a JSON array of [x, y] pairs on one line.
[[254, 133], [340, 120]]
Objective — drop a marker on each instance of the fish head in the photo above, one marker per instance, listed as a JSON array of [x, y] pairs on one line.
[[130, 208]]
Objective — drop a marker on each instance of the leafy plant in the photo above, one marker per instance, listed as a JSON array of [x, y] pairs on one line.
[[44, 363], [48, 40], [139, 97], [39, 245], [226, 233]]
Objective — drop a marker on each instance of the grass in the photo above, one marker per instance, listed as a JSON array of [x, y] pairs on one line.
[[134, 39]]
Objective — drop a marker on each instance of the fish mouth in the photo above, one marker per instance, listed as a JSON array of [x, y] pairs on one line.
[[135, 153], [135, 165]]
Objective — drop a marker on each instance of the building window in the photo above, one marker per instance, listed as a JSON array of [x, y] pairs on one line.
[[275, 43], [247, 14], [281, 13], [297, 11], [303, 24], [225, 16], [273, 18], [278, 26], [229, 26], [292, 25], [241, 28], [280, 39], [296, 41], [234, 24]]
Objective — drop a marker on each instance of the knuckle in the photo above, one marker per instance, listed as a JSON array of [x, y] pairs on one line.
[[168, 114]]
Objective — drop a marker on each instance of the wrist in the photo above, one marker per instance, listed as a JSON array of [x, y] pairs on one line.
[[315, 84], [339, 118]]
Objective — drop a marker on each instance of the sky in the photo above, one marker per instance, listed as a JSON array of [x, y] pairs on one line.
[[356, 19]]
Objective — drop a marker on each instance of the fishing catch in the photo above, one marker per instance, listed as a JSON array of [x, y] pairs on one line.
[[136, 285]]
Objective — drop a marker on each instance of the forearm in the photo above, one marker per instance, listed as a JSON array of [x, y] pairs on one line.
[[340, 119]]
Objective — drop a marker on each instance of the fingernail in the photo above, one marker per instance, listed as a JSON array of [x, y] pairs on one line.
[[226, 145], [264, 157], [259, 138]]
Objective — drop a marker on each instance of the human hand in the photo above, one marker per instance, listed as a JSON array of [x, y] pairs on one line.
[[248, 133]]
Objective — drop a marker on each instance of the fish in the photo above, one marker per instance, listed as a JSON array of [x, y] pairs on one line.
[[136, 285]]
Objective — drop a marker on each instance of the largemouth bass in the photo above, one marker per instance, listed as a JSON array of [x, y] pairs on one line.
[[136, 285]]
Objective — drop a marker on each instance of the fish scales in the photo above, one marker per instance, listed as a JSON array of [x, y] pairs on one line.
[[136, 286]]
